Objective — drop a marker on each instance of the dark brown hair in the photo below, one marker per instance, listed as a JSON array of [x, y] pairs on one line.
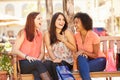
[[52, 29]]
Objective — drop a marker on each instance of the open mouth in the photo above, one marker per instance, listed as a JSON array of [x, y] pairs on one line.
[[61, 25], [40, 24]]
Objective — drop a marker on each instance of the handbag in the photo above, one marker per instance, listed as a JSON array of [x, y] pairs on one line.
[[111, 64], [64, 73]]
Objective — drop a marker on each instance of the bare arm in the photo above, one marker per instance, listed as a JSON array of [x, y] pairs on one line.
[[70, 41], [94, 54], [41, 56], [96, 48], [18, 43], [49, 48]]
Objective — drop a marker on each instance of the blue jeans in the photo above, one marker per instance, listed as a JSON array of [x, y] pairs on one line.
[[86, 65]]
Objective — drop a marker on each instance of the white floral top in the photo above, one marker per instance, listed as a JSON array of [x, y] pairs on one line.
[[61, 51]]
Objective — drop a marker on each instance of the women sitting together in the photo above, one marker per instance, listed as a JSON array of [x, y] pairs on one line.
[[61, 44]]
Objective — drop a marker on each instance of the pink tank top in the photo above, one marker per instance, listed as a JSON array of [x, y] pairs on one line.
[[32, 48]]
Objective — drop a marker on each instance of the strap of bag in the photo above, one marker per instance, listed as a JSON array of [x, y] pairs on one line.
[[19, 71]]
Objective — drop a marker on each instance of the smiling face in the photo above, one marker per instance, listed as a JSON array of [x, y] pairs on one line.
[[60, 22], [78, 25], [38, 21]]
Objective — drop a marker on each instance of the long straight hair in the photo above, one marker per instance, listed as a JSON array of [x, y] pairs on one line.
[[52, 29], [30, 26]]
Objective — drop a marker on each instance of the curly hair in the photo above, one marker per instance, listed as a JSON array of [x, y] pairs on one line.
[[85, 20]]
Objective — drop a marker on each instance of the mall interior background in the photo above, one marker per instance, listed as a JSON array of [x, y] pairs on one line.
[[105, 13]]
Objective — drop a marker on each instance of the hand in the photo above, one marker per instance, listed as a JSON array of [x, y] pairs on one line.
[[29, 58], [81, 52], [61, 37], [85, 55]]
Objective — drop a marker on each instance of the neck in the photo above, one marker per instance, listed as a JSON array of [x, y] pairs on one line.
[[83, 33], [58, 30]]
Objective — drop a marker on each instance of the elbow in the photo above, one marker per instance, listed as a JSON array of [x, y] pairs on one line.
[[96, 55], [14, 51], [74, 50]]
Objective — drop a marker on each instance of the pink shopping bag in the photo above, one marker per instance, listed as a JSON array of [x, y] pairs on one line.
[[111, 64]]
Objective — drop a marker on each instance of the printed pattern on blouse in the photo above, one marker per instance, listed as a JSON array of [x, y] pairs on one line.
[[61, 51]]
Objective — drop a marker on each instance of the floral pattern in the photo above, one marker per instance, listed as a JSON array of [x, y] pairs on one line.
[[61, 51]]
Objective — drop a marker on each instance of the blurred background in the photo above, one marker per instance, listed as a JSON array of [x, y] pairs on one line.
[[105, 14]]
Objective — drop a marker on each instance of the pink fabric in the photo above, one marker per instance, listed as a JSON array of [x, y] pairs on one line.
[[91, 38], [32, 48], [111, 64]]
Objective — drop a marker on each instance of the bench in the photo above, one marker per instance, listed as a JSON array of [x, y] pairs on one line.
[[107, 42]]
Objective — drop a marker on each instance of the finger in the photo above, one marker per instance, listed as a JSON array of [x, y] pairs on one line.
[[29, 61], [33, 59]]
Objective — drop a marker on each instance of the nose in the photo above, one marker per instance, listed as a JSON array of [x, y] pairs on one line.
[[75, 25]]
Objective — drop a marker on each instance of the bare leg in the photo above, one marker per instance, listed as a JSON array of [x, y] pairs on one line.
[[45, 76]]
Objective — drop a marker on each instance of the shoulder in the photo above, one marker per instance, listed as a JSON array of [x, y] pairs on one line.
[[68, 32], [46, 35], [21, 36], [46, 32], [93, 34], [21, 33]]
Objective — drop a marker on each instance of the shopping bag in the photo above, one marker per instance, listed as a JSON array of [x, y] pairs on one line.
[[111, 64], [64, 73]]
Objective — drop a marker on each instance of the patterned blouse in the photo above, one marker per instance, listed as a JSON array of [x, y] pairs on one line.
[[61, 51]]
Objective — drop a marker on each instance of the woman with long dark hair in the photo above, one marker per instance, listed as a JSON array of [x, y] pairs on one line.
[[60, 44]]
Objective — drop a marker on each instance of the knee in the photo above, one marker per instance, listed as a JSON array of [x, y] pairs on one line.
[[102, 60], [80, 58]]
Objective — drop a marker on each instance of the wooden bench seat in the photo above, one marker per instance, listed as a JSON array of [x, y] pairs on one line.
[[107, 42], [27, 77], [101, 74]]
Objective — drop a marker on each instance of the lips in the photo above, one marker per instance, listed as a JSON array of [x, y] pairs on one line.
[[61, 24]]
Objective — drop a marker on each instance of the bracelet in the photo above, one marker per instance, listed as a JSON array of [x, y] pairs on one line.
[[26, 56]]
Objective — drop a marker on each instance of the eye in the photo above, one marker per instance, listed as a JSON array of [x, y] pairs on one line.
[[59, 19], [39, 18]]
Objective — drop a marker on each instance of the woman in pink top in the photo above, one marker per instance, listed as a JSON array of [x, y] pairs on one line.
[[90, 58], [29, 48]]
